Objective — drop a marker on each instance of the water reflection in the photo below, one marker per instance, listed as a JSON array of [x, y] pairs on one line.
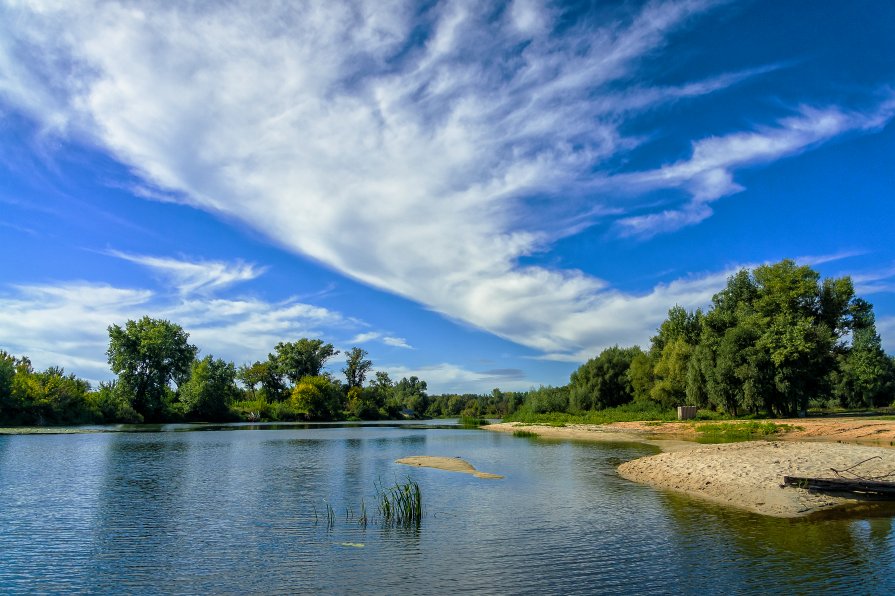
[[242, 511]]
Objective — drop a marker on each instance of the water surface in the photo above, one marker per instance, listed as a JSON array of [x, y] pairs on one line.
[[232, 510]]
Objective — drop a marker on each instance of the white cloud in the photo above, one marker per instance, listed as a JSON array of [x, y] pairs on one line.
[[886, 329], [708, 174], [396, 342], [398, 148], [452, 378], [66, 324], [189, 277]]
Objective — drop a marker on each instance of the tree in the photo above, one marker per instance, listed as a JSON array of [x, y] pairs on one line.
[[210, 389], [319, 397], [602, 382], [670, 388], [411, 394], [147, 355], [866, 377], [356, 367], [303, 358]]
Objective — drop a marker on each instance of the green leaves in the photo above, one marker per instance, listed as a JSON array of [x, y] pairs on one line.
[[147, 355]]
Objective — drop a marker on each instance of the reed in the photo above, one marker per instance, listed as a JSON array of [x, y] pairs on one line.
[[472, 421], [524, 433], [401, 504]]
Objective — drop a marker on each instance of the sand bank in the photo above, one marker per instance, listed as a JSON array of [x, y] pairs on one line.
[[451, 464], [749, 475], [745, 475]]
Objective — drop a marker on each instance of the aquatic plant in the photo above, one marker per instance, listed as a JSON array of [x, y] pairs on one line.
[[471, 421], [524, 433], [401, 504]]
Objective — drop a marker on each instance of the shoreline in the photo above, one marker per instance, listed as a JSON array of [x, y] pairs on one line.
[[745, 475]]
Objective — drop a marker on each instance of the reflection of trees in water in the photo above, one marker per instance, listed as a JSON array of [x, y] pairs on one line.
[[828, 552]]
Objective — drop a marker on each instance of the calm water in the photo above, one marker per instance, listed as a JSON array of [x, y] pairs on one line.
[[232, 511]]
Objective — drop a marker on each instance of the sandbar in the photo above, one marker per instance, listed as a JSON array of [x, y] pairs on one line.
[[746, 475], [450, 464]]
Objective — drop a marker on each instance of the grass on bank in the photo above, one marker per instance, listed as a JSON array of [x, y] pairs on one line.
[[632, 412], [729, 432]]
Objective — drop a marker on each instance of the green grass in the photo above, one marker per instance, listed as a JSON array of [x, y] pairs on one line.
[[626, 413], [524, 433], [730, 432], [470, 421]]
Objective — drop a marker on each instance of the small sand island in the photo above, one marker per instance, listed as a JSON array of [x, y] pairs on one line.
[[747, 475], [451, 464]]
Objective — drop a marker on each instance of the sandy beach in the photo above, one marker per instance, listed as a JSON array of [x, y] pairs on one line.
[[747, 475]]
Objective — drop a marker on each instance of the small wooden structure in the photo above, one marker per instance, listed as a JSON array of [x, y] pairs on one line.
[[686, 412]]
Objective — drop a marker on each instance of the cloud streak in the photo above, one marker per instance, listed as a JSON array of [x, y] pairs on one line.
[[401, 147]]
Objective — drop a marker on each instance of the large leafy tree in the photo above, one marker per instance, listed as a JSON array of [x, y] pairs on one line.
[[210, 389], [148, 355], [603, 382], [319, 397], [356, 367], [303, 358]]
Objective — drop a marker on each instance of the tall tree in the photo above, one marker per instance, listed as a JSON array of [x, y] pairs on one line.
[[303, 358], [602, 382], [356, 367], [147, 355], [210, 389]]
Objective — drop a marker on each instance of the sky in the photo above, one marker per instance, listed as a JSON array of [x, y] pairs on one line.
[[481, 194]]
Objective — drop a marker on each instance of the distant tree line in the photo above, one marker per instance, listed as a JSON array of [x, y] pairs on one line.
[[160, 377], [776, 340]]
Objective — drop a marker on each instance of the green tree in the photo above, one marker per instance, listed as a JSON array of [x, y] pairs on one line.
[[356, 367], [602, 382], [411, 394], [210, 389], [147, 355], [382, 390], [866, 377], [318, 397], [303, 358], [670, 388]]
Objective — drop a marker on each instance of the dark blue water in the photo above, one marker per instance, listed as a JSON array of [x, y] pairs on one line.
[[233, 511]]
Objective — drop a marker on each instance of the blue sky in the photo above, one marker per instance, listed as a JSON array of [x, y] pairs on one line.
[[481, 194]]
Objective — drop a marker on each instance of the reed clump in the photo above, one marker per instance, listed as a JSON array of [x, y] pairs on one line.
[[472, 421], [524, 433], [401, 504]]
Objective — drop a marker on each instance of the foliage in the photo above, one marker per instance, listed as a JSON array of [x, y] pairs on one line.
[[356, 367], [318, 397], [401, 504], [147, 355], [470, 421], [739, 431], [602, 382], [634, 411], [303, 358], [411, 395], [210, 390]]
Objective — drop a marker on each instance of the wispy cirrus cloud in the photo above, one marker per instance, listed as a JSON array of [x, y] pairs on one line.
[[708, 174], [194, 276], [401, 146]]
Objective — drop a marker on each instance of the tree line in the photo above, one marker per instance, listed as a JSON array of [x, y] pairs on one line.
[[776, 341], [161, 378]]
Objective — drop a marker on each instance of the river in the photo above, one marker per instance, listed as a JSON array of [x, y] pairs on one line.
[[242, 509]]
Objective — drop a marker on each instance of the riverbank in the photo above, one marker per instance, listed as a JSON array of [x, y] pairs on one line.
[[746, 475]]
